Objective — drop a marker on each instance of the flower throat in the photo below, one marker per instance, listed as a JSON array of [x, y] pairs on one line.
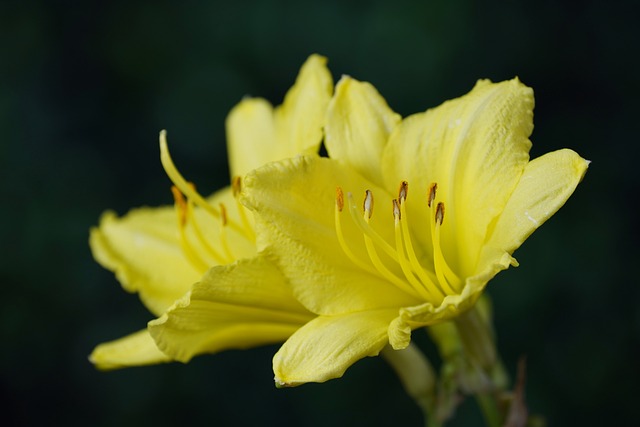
[[431, 286]]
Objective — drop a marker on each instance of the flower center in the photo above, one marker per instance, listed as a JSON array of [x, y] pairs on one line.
[[400, 264], [202, 246]]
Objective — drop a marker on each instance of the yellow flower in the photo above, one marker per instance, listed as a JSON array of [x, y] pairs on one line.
[[455, 195], [239, 298]]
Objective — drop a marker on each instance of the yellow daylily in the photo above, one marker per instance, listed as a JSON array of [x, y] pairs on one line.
[[455, 195], [239, 298]]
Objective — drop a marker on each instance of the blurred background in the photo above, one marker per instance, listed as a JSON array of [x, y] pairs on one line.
[[86, 86]]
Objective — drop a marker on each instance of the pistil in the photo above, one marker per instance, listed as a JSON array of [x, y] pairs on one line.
[[202, 253], [186, 189]]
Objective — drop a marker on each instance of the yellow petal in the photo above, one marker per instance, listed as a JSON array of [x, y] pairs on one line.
[[251, 136], [325, 347], [475, 148], [236, 306], [427, 314], [301, 116], [137, 349], [258, 134], [544, 187], [359, 122], [296, 204], [142, 249]]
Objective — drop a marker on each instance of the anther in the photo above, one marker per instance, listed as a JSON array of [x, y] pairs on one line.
[[223, 215], [339, 199], [368, 204], [396, 210], [402, 192], [181, 204], [440, 213], [236, 185], [432, 192]]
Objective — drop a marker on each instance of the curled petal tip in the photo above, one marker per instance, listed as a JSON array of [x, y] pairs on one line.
[[281, 384]]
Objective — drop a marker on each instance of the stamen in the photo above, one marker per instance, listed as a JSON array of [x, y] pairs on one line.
[[236, 185], [427, 279], [181, 213], [402, 192], [339, 234], [236, 188], [440, 213], [181, 205], [432, 286], [339, 199], [440, 264], [223, 231], [397, 216], [432, 193], [453, 278], [223, 215], [367, 205], [377, 262], [217, 257], [404, 264], [367, 230]]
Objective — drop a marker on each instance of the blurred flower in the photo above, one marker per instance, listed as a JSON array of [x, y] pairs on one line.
[[455, 196], [239, 298]]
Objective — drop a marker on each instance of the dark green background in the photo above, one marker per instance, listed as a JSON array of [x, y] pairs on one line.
[[86, 86]]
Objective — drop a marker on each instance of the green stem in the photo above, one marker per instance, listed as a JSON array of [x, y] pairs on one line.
[[477, 338], [489, 409], [417, 377], [471, 363], [478, 341], [431, 420]]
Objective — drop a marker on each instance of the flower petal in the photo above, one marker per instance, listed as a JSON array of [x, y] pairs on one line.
[[324, 348], [475, 148], [545, 185], [301, 116], [236, 306], [143, 250], [137, 349], [258, 134], [251, 135], [359, 122], [295, 204], [453, 305]]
